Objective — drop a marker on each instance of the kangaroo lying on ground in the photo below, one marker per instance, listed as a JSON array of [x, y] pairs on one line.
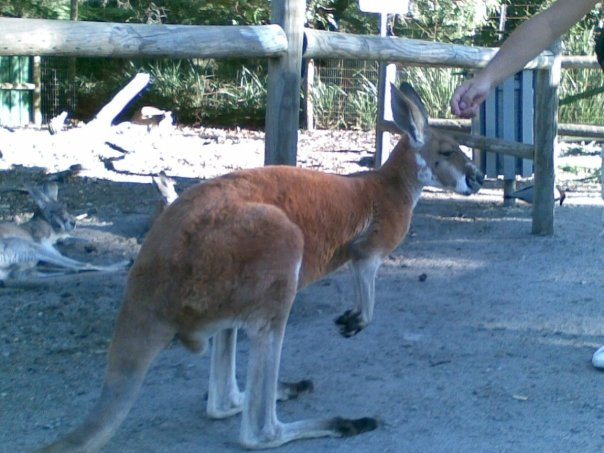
[[231, 253], [23, 246]]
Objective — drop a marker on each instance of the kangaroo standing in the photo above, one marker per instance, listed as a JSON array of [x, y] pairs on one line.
[[232, 252]]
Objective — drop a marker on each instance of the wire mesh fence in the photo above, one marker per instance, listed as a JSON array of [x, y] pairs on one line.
[[58, 89], [344, 94]]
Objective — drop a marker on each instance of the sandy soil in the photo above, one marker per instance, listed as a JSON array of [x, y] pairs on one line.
[[482, 337]]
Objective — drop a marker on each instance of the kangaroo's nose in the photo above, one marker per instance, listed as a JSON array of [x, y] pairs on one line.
[[475, 179], [480, 177], [68, 225]]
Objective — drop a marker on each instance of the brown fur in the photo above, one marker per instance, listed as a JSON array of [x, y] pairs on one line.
[[232, 252]]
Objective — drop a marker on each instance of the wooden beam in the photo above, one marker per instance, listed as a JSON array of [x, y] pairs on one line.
[[37, 93], [17, 86], [284, 82], [547, 82], [105, 39], [325, 44], [495, 145], [107, 114], [309, 82], [453, 124], [581, 130], [579, 62], [566, 129]]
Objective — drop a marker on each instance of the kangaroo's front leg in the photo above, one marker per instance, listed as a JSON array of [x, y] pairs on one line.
[[364, 272]]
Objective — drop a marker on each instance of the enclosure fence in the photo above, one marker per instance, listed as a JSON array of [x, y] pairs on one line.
[[282, 43]]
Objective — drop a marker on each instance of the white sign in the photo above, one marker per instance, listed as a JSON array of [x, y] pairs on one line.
[[385, 6]]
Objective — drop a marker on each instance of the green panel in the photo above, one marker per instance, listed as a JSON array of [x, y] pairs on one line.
[[5, 69], [15, 105], [4, 94], [13, 117], [4, 107], [21, 66]]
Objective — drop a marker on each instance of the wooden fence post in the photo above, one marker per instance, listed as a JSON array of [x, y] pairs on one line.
[[284, 79], [309, 107], [546, 127], [37, 93], [387, 75]]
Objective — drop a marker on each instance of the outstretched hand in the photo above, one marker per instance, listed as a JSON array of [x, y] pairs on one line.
[[467, 98]]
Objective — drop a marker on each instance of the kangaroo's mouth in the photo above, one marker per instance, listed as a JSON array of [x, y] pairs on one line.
[[474, 182]]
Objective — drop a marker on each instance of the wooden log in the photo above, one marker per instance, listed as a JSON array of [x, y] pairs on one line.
[[579, 62], [108, 113], [495, 145], [309, 82], [20, 86], [527, 105], [284, 83], [452, 124], [547, 82], [581, 130], [566, 129], [387, 76], [325, 44], [104, 39], [37, 93]]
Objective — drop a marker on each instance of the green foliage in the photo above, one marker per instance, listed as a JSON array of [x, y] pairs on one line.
[[448, 20], [177, 85], [364, 103], [332, 104], [41, 9], [193, 91], [328, 105], [340, 15], [185, 12], [435, 86], [232, 91], [581, 100]]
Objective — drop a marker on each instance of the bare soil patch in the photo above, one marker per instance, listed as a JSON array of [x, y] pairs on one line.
[[482, 337]]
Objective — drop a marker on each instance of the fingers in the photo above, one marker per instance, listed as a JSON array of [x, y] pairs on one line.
[[467, 98], [462, 101]]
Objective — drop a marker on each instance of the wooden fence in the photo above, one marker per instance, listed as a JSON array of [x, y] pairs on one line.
[[282, 43]]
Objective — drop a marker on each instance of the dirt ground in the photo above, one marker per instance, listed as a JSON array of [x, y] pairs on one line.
[[481, 341]]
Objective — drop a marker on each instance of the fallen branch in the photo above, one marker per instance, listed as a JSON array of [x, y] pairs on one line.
[[119, 102]]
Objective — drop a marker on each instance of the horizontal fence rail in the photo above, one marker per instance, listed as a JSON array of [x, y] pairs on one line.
[[520, 150], [106, 39], [581, 130], [282, 42], [325, 44], [579, 62], [103, 39], [564, 129], [20, 86]]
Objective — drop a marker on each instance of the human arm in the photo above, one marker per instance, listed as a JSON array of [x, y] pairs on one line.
[[525, 43]]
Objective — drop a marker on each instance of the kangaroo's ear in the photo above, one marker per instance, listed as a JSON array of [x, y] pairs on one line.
[[39, 195], [409, 113], [51, 189]]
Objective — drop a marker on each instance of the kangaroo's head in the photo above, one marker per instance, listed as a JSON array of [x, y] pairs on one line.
[[50, 210], [441, 162]]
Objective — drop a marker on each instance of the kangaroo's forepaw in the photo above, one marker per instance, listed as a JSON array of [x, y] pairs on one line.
[[350, 323]]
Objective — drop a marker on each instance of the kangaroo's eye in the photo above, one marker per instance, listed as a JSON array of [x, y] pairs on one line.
[[446, 153]]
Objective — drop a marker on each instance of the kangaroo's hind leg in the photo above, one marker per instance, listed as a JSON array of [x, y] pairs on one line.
[[224, 397], [260, 427]]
